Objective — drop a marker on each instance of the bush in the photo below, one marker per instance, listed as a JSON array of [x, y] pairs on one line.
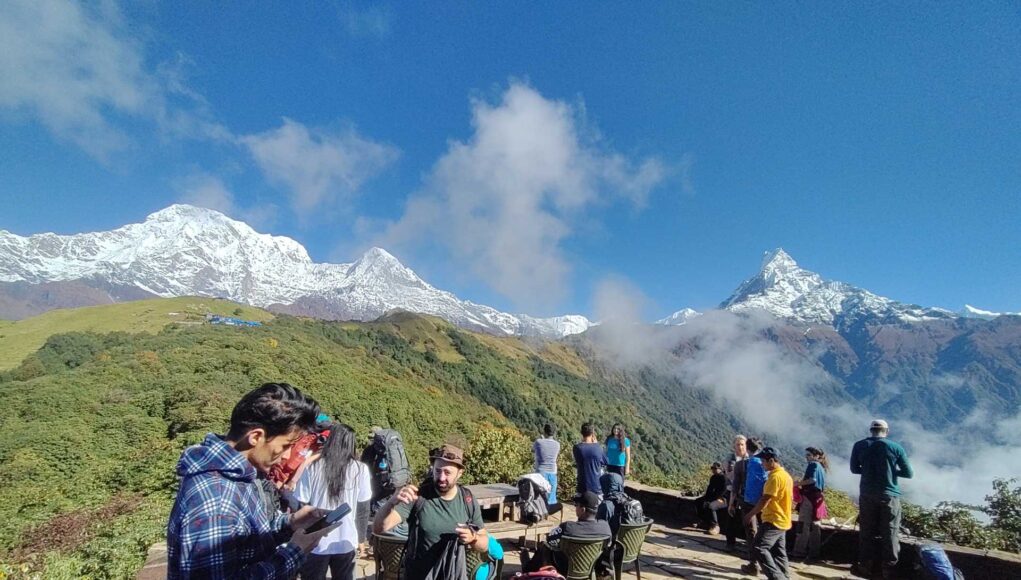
[[949, 522], [497, 455]]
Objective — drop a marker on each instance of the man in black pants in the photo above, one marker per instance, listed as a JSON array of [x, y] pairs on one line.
[[737, 476]]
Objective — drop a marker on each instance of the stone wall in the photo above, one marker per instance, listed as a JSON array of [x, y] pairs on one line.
[[839, 544]]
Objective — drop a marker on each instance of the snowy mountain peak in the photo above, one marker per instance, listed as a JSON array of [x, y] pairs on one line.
[[379, 266], [785, 290], [779, 262], [972, 312], [680, 317], [186, 250]]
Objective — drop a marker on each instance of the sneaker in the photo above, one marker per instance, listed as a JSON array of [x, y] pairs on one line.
[[750, 569], [714, 531]]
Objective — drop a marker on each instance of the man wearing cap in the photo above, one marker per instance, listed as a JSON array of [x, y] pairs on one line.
[[436, 515], [880, 462], [770, 542], [586, 506]]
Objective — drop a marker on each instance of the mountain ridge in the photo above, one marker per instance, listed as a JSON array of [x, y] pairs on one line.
[[185, 250]]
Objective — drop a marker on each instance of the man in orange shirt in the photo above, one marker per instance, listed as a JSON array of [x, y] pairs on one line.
[[770, 542]]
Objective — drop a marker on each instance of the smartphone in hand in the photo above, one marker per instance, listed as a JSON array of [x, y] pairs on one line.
[[330, 519]]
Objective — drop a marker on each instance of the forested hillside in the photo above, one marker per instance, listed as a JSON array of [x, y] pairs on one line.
[[92, 424]]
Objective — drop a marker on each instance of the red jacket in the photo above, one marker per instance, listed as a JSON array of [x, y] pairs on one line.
[[282, 472]]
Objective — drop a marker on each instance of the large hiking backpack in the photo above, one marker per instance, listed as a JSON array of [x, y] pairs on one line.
[[390, 463], [532, 501], [933, 564]]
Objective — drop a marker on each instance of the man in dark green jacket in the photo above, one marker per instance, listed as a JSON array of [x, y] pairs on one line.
[[880, 462]]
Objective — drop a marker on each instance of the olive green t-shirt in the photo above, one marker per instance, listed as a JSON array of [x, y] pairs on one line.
[[433, 520]]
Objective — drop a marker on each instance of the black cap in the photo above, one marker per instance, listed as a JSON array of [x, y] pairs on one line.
[[769, 453], [588, 500]]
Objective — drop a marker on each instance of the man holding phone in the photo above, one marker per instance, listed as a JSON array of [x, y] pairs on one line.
[[438, 515], [219, 527]]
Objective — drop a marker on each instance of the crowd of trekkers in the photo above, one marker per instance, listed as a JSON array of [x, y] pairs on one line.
[[754, 498], [282, 495]]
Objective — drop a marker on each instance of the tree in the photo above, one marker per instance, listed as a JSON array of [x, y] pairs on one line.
[[1004, 508]]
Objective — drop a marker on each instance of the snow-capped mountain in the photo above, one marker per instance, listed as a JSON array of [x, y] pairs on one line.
[[186, 250], [680, 317], [787, 291], [972, 312]]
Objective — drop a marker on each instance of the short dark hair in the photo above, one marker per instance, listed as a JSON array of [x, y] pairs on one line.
[[276, 407], [549, 430], [588, 430]]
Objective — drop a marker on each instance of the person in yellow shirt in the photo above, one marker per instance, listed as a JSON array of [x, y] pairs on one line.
[[770, 544]]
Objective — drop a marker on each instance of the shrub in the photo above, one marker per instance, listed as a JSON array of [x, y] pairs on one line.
[[497, 454]]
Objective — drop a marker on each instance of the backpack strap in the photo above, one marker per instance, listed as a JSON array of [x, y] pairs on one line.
[[469, 502]]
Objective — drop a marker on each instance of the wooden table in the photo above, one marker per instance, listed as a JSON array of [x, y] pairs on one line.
[[499, 495]]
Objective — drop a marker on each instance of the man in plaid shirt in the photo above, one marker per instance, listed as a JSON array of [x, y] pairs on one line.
[[219, 527]]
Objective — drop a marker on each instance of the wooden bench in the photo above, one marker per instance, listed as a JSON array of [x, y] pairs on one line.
[[500, 496]]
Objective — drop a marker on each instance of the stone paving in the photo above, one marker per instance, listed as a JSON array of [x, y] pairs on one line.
[[671, 552], [668, 552]]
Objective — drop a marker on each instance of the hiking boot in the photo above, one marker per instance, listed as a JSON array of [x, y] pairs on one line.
[[713, 531], [750, 569]]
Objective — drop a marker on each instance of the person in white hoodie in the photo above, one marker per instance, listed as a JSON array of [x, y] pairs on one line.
[[337, 478]]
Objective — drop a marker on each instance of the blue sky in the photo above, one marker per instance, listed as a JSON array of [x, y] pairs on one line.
[[521, 154]]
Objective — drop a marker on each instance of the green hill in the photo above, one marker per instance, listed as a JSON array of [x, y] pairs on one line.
[[20, 338], [92, 424]]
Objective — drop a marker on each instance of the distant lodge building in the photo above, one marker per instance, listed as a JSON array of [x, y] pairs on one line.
[[230, 321]]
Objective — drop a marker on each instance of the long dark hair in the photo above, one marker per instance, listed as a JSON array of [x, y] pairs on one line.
[[618, 432], [338, 453], [820, 456]]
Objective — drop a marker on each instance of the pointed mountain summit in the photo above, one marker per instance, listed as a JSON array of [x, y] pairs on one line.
[[785, 290], [185, 250]]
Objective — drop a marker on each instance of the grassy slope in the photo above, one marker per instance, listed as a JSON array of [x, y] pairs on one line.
[[78, 436], [20, 338]]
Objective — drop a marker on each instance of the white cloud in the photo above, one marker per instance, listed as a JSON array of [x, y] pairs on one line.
[[208, 191], [773, 390], [318, 167], [501, 203], [76, 69]]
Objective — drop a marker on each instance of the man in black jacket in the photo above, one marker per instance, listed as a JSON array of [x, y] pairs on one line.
[[712, 500], [587, 526]]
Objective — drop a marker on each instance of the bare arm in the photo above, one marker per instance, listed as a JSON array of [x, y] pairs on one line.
[[388, 518]]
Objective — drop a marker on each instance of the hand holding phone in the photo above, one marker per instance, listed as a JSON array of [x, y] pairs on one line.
[[467, 532], [330, 519]]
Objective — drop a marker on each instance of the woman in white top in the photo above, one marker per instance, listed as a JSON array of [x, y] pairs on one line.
[[334, 479]]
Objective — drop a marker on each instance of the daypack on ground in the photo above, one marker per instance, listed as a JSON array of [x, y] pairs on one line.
[[933, 564], [390, 465], [533, 494]]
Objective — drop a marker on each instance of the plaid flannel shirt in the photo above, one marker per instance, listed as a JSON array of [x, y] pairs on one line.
[[219, 528]]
